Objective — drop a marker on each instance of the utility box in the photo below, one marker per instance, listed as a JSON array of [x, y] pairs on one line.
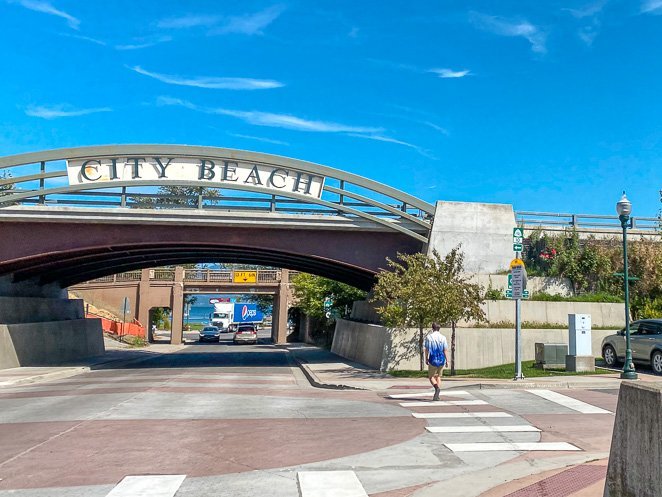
[[551, 355], [580, 353]]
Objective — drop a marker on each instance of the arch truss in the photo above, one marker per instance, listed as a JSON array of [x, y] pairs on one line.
[[205, 178]]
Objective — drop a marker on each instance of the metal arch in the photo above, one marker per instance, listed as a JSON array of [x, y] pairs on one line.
[[209, 152], [405, 199]]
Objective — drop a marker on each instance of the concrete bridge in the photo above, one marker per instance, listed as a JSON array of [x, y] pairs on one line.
[[72, 215]]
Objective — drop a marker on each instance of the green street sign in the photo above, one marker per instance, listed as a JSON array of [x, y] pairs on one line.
[[517, 247], [509, 294]]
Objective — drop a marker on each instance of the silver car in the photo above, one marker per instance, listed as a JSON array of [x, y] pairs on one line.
[[246, 333], [645, 342]]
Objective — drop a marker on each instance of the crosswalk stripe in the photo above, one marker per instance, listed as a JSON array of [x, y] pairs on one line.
[[481, 429], [511, 446], [330, 484], [569, 402], [148, 486], [442, 403], [439, 415], [443, 393]]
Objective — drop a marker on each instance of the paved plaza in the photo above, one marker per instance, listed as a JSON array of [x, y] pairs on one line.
[[224, 420]]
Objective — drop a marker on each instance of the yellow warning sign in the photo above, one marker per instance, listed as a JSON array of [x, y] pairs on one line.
[[516, 262], [245, 276]]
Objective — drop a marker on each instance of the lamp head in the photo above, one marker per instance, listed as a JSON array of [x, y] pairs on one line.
[[623, 206]]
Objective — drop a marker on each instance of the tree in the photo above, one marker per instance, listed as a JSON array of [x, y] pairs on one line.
[[311, 291], [186, 196], [418, 290]]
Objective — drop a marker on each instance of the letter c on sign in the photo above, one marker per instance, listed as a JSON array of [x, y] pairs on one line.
[[281, 176], [95, 168]]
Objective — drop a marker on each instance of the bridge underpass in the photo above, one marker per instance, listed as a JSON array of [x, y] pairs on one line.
[[150, 288]]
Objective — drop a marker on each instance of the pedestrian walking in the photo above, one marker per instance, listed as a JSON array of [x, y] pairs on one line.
[[435, 350]]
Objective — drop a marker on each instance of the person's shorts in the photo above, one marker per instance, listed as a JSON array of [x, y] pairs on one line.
[[434, 370]]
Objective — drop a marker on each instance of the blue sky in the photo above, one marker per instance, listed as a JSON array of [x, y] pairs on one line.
[[548, 105]]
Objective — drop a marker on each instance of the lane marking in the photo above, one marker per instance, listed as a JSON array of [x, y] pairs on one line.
[[512, 446], [148, 486], [449, 393], [330, 484], [569, 402], [432, 403], [438, 415], [481, 429]]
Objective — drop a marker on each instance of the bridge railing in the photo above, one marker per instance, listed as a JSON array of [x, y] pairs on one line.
[[41, 179], [264, 276], [589, 222]]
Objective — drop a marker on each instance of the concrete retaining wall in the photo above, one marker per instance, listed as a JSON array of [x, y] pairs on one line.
[[52, 343], [635, 459], [38, 309], [496, 311], [535, 284], [388, 349]]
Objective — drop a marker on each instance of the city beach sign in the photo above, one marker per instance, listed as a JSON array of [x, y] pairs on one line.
[[217, 173]]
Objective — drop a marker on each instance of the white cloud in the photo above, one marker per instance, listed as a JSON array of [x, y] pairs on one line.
[[436, 127], [211, 82], [450, 73], [388, 139], [652, 7], [85, 38], [46, 8], [273, 120], [588, 10], [62, 110], [260, 139], [144, 43], [189, 21], [500, 26], [249, 24]]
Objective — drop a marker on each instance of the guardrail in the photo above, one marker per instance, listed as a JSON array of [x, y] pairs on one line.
[[589, 222], [41, 179], [264, 276]]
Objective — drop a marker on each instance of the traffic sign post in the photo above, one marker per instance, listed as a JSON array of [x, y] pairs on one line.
[[516, 289], [126, 308]]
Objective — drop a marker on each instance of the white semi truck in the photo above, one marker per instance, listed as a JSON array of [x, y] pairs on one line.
[[222, 317]]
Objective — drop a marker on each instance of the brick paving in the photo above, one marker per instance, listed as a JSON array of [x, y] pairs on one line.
[[565, 483]]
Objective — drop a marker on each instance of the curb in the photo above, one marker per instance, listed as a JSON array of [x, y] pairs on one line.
[[55, 375], [315, 381]]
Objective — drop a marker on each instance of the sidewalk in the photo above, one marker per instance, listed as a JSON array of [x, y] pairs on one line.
[[327, 370], [118, 354]]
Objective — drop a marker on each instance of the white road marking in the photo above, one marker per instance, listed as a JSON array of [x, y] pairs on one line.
[[481, 429], [437, 415], [569, 402], [449, 393], [442, 403], [330, 484], [511, 446], [148, 486]]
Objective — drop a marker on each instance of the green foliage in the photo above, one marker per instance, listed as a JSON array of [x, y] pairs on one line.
[[584, 297], [504, 371], [161, 317], [418, 290], [264, 302], [185, 196], [310, 291]]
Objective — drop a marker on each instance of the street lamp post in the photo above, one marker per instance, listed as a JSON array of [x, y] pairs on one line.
[[624, 208]]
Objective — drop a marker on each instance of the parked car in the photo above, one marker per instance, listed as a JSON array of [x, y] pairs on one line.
[[210, 333], [246, 333], [645, 342]]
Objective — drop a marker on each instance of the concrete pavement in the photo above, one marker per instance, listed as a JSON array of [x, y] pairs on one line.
[[245, 420]]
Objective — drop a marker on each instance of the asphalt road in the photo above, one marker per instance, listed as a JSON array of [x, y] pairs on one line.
[[242, 420]]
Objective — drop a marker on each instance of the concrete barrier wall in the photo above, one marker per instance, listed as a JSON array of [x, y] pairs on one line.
[[602, 314], [635, 458], [51, 343], [388, 349], [38, 309], [535, 284]]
